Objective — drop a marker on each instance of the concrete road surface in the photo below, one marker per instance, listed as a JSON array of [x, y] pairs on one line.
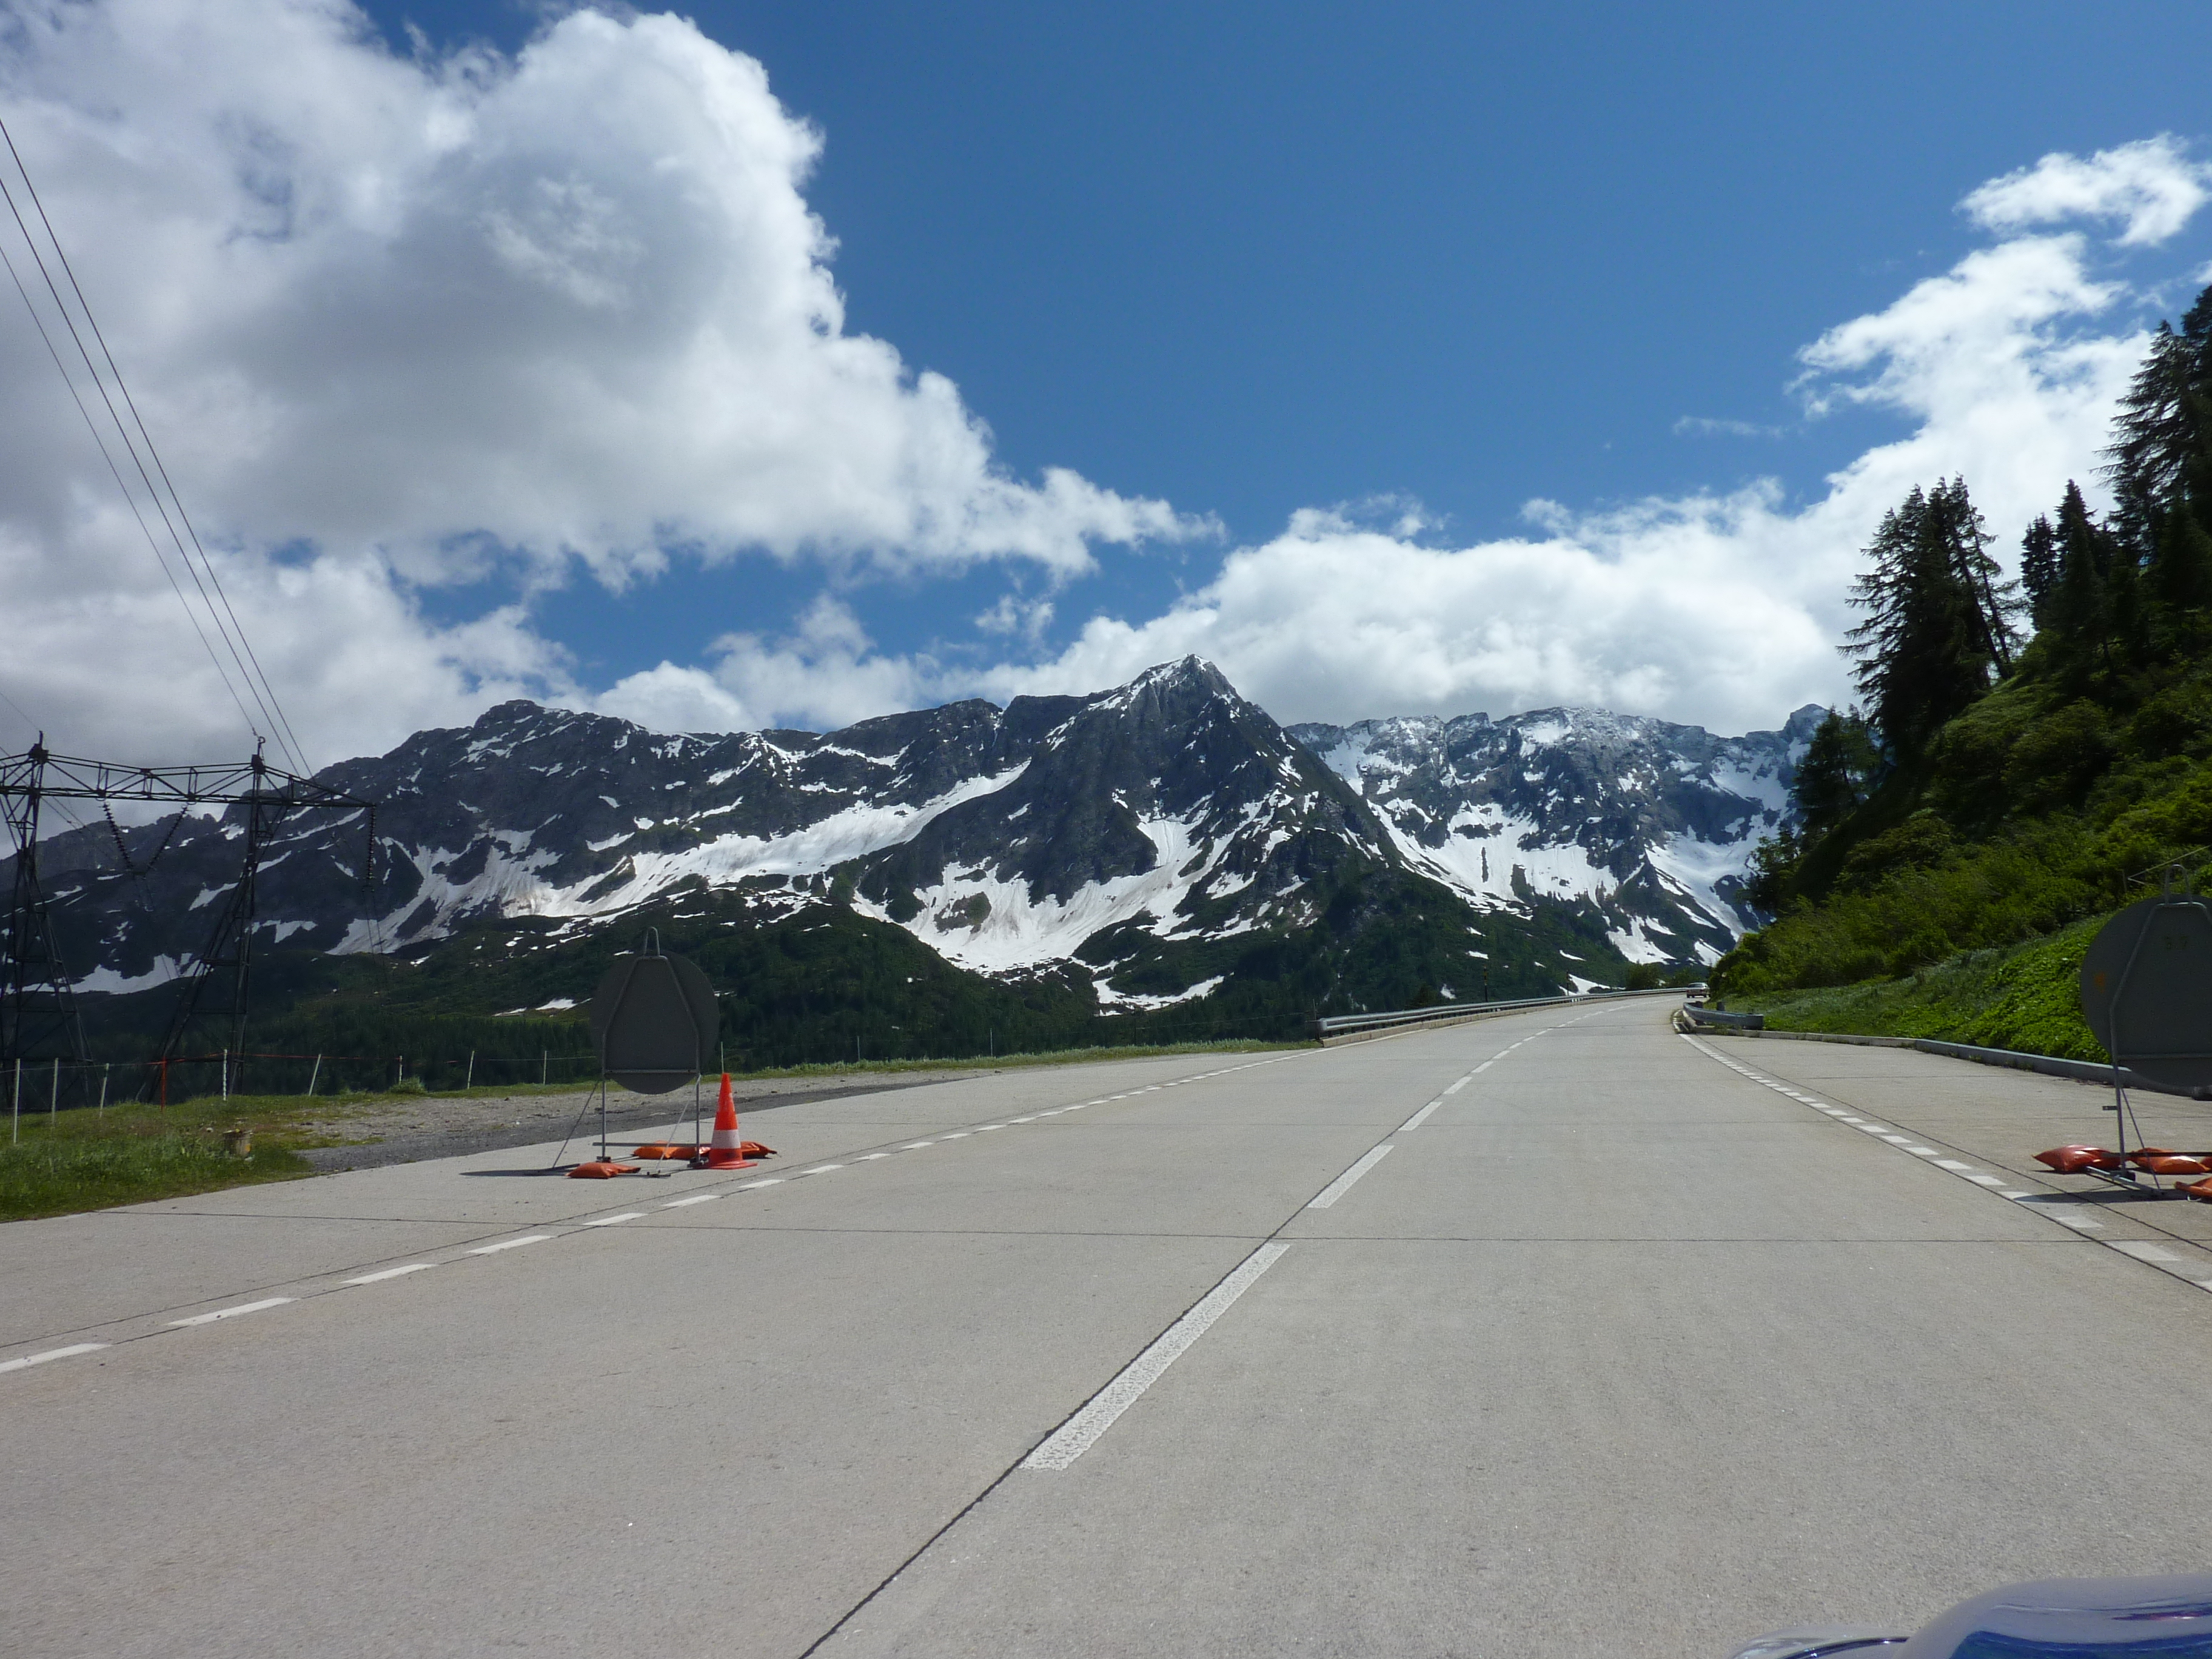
[[1557, 1333]]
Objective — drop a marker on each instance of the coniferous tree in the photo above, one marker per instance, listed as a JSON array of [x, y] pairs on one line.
[[2038, 570], [1937, 626], [1841, 762], [2080, 605], [2164, 428]]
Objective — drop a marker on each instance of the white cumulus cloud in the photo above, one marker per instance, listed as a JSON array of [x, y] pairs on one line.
[[436, 318], [1723, 610], [2152, 186]]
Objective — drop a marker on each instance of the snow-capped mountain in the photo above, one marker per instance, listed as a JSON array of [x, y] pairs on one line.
[[1652, 824], [1145, 844]]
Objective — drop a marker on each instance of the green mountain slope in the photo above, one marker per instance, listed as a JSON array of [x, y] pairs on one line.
[[1963, 840]]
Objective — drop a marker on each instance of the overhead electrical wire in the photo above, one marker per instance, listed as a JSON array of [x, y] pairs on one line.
[[129, 500], [225, 618]]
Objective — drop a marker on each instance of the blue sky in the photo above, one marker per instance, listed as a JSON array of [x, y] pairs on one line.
[[1414, 267]]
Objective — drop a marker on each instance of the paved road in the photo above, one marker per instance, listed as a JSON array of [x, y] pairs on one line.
[[1622, 1349]]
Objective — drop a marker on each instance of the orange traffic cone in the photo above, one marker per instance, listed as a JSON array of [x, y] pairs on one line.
[[725, 1151]]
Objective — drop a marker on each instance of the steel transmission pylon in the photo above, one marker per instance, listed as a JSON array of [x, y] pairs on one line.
[[38, 1014]]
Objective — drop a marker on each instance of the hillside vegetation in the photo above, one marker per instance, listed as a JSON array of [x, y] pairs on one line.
[[2030, 756]]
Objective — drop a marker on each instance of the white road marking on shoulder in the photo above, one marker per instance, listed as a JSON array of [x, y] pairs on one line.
[[2076, 1221], [1921, 1151], [610, 1220], [822, 1168], [1419, 1117], [1075, 1437], [958, 1134], [510, 1244], [1484, 1067], [1987, 1180], [754, 1186], [392, 1272], [1030, 1119], [2143, 1251], [1338, 1188], [916, 1146], [869, 1158], [696, 1198], [232, 1313], [30, 1359], [1952, 1164], [2015, 1195]]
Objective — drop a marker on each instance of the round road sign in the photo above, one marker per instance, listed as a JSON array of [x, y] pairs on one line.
[[2147, 990], [654, 1022]]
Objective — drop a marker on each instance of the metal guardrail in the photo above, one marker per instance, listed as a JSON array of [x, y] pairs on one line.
[[1340, 1025]]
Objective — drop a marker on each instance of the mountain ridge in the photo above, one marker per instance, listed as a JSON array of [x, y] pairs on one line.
[[1162, 845]]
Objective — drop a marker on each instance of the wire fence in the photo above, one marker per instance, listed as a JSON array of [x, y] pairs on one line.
[[59, 1085]]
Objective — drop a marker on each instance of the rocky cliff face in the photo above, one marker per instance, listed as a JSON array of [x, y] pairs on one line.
[[1159, 839], [1650, 824]]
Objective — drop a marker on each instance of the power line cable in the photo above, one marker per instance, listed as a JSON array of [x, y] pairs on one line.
[[129, 499], [123, 432], [285, 736]]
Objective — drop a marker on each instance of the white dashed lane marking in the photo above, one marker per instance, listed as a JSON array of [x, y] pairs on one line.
[[1075, 1437], [31, 1359], [1419, 1117], [232, 1313], [26, 1361], [1343, 1184], [2143, 1251]]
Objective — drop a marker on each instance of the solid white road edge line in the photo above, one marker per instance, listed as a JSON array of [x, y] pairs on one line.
[[1074, 1437], [2137, 1250], [30, 1359], [232, 1313], [1338, 1188], [391, 1272]]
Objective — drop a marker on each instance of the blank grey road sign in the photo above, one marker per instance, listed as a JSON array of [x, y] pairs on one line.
[[2147, 990], [654, 1022]]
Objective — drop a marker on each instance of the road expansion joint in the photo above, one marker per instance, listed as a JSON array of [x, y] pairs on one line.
[[2191, 1264]]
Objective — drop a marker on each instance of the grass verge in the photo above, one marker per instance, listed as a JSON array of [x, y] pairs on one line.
[[2023, 997], [59, 1175]]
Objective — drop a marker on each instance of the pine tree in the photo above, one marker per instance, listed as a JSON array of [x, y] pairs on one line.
[[2164, 424], [1841, 762], [1937, 626], [2080, 605], [2038, 570]]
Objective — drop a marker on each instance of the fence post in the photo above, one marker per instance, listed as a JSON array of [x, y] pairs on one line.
[[471, 1081], [54, 1097], [545, 1065], [225, 1064], [106, 1072], [16, 1113], [312, 1075]]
